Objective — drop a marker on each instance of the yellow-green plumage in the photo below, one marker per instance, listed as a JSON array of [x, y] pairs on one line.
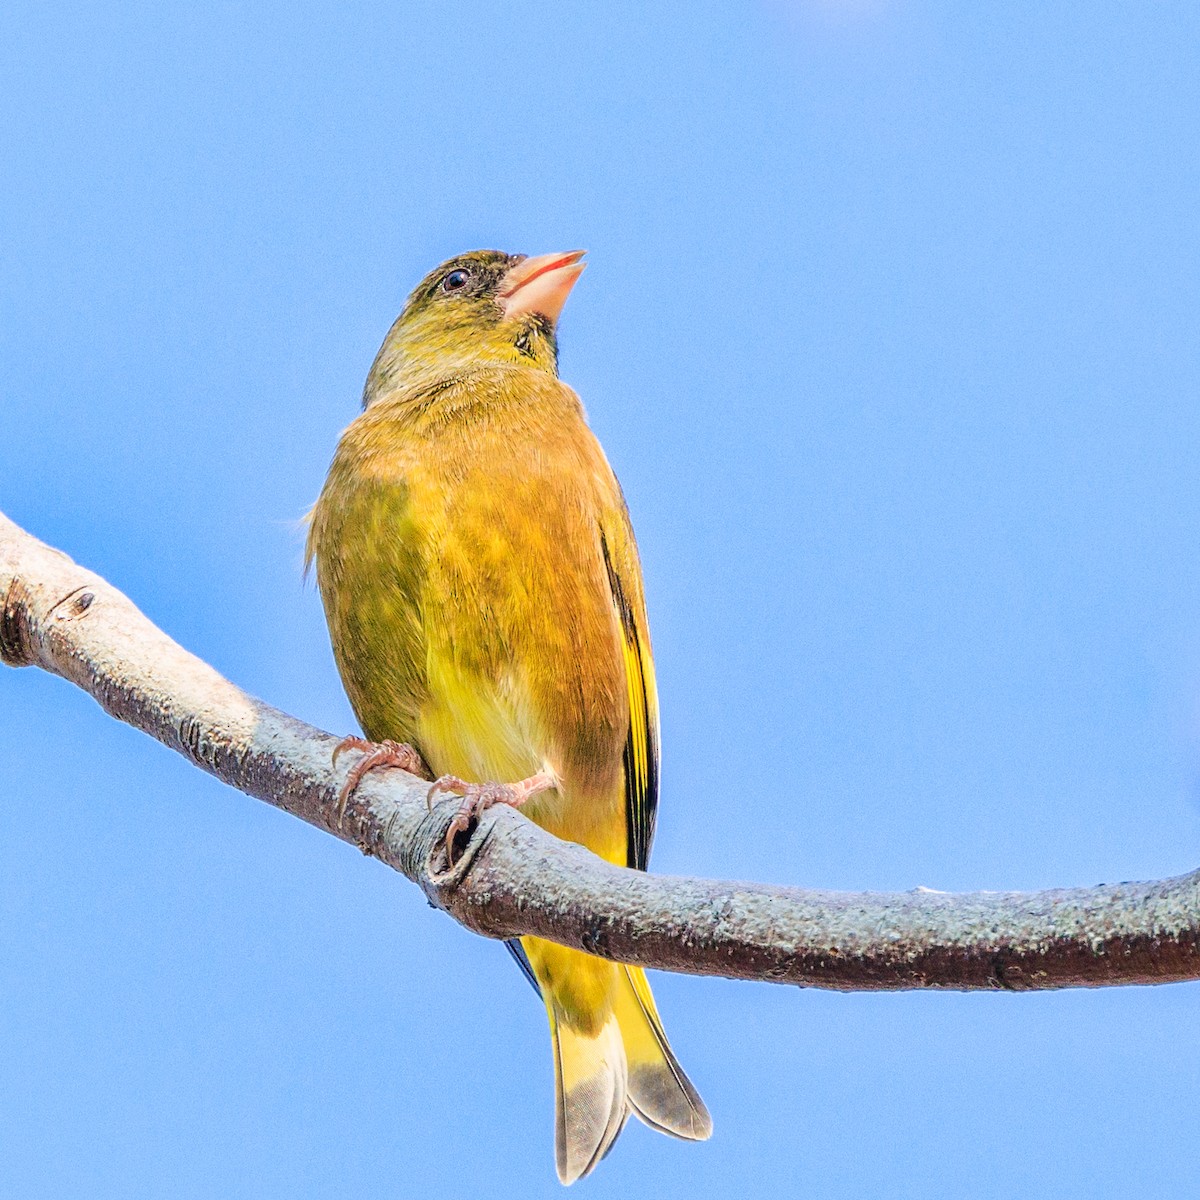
[[484, 600]]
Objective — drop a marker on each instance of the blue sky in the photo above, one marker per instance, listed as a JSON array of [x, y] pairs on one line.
[[890, 331]]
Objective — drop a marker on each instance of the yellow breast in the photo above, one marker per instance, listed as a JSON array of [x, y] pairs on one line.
[[458, 553]]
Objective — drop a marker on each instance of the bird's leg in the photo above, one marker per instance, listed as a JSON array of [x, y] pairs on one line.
[[478, 797], [378, 754]]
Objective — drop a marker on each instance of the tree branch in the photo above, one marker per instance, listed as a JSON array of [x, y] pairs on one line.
[[515, 879]]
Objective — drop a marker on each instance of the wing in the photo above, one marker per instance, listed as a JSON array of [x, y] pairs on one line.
[[514, 947], [641, 754]]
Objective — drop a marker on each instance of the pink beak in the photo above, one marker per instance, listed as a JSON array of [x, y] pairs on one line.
[[540, 285]]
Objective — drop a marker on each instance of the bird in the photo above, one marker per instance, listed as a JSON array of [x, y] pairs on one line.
[[484, 596]]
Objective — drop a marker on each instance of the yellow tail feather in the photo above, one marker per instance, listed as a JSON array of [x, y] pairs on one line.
[[611, 1057], [660, 1093], [591, 1082]]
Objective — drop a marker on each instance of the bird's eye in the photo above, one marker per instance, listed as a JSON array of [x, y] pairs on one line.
[[455, 280]]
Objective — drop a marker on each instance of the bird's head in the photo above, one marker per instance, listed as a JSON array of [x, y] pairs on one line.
[[483, 308]]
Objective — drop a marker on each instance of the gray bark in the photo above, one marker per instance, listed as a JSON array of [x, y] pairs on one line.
[[513, 879]]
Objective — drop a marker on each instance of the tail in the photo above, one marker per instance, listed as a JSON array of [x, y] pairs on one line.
[[590, 1084], [659, 1092], [611, 1058]]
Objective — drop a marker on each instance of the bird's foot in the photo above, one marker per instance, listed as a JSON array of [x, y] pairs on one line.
[[378, 754], [478, 797]]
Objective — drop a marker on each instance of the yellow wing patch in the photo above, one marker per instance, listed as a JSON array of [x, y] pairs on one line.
[[641, 744]]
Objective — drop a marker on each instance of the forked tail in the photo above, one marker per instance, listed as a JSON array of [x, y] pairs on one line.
[[606, 1068]]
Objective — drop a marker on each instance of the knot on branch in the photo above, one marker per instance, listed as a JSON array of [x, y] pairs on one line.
[[16, 635], [424, 858]]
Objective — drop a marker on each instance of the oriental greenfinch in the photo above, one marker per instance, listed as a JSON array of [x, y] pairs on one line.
[[484, 597]]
